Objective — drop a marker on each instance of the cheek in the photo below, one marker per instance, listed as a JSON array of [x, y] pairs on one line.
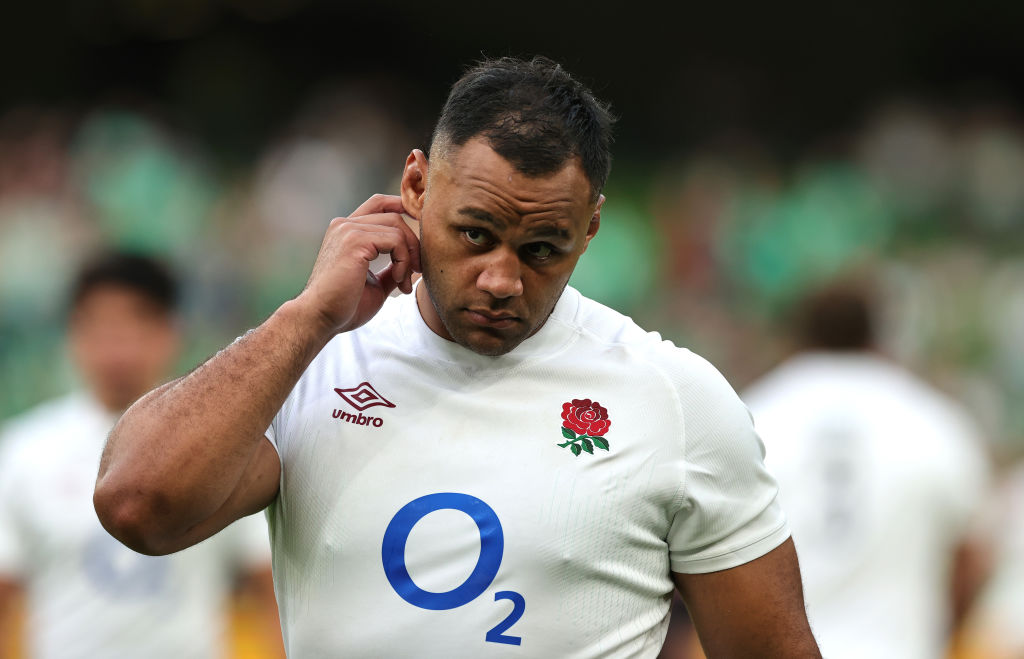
[[546, 285]]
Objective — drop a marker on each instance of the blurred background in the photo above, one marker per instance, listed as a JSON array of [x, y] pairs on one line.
[[761, 149]]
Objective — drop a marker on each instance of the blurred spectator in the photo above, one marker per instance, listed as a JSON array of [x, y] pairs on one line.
[[880, 476], [147, 190], [42, 230], [87, 595]]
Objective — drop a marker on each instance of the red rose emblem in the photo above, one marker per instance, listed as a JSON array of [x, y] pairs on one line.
[[585, 417]]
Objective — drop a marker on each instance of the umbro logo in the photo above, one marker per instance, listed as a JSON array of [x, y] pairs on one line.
[[361, 397]]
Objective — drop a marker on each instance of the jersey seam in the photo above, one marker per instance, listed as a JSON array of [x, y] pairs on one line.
[[679, 499], [782, 525]]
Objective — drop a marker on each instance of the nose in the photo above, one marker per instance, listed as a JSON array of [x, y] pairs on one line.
[[501, 276]]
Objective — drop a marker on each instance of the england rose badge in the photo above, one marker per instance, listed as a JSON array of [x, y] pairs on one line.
[[584, 424]]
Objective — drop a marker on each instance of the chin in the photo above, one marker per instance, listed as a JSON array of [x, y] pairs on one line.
[[491, 350], [487, 345]]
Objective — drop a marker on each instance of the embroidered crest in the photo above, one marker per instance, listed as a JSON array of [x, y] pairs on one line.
[[584, 424]]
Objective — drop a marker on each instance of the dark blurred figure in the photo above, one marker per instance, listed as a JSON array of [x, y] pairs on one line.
[[880, 476], [87, 595]]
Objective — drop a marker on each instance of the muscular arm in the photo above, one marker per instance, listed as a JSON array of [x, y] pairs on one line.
[[753, 610], [189, 458]]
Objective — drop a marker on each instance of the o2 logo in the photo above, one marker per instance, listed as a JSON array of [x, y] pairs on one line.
[[492, 546]]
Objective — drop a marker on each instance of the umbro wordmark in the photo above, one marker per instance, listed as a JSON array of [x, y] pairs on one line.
[[358, 419]]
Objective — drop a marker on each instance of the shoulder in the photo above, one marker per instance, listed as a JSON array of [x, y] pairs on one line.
[[693, 377], [704, 397]]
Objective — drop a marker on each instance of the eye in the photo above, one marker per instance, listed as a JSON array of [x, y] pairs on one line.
[[540, 251], [476, 236]]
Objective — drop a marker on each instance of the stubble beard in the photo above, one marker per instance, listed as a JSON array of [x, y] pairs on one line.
[[456, 330]]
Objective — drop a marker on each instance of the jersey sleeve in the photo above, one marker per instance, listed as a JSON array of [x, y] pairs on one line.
[[271, 435], [13, 552], [729, 513]]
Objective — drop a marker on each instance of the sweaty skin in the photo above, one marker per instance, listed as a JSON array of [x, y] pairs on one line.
[[497, 250]]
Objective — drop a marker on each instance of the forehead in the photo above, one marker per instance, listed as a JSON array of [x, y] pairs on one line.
[[475, 175]]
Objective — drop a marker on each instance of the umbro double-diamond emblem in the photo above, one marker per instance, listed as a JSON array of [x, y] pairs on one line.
[[362, 397]]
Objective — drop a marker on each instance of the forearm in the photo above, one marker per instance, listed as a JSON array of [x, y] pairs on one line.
[[179, 453]]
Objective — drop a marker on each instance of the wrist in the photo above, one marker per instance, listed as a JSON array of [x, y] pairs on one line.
[[309, 322]]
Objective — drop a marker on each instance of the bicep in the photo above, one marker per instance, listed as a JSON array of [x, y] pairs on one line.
[[255, 491], [755, 609]]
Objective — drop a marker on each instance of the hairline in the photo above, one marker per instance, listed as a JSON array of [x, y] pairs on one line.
[[442, 148]]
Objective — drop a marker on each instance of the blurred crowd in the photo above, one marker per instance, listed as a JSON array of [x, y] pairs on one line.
[[713, 248]]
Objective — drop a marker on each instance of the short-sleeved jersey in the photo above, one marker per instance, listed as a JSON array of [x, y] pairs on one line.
[[432, 502], [879, 476], [88, 595]]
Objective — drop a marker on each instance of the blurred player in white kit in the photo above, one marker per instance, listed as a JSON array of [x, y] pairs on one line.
[[87, 595], [880, 476]]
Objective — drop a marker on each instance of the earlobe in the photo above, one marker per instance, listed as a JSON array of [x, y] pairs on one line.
[[414, 183]]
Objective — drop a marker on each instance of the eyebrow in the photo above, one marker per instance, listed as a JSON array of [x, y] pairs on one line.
[[482, 215], [548, 230], [551, 231]]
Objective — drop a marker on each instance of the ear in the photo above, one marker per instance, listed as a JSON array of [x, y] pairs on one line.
[[414, 183], [595, 223]]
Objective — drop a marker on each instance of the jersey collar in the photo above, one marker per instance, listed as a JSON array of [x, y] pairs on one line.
[[555, 335]]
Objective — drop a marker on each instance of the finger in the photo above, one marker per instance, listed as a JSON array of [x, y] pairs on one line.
[[395, 220], [379, 203], [388, 283], [377, 239]]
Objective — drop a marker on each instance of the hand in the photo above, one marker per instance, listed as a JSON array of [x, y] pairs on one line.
[[342, 290]]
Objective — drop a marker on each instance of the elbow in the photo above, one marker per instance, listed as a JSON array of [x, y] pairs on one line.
[[131, 516]]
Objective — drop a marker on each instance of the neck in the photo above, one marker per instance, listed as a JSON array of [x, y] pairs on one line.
[[429, 313]]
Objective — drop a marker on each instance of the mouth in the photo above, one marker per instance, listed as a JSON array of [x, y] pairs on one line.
[[486, 318]]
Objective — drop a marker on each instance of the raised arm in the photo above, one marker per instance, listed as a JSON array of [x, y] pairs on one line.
[[753, 610], [190, 457]]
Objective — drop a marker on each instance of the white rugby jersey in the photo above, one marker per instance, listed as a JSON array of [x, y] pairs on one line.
[[432, 503], [89, 596], [879, 477]]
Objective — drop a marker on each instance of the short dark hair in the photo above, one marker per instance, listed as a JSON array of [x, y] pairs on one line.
[[142, 274], [533, 114], [837, 317]]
